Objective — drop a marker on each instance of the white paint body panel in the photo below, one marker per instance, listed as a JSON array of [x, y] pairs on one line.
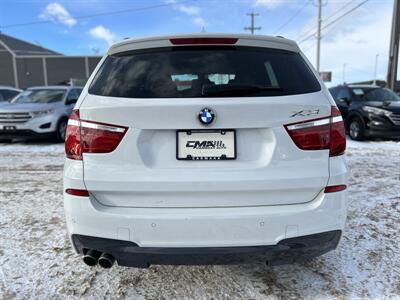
[[205, 227]]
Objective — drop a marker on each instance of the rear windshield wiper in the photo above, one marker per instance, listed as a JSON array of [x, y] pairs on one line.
[[236, 90]]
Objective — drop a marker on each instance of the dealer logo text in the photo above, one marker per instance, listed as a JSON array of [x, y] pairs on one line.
[[205, 145]]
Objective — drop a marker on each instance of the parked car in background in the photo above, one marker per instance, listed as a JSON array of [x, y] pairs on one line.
[[38, 112], [8, 93], [204, 149], [368, 111]]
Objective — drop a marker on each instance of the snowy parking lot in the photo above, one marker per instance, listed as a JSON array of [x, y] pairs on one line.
[[37, 261]]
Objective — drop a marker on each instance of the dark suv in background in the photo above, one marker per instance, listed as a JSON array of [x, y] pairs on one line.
[[368, 111]]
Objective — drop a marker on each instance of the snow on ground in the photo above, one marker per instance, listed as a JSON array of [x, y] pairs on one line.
[[36, 259], [32, 147], [387, 145]]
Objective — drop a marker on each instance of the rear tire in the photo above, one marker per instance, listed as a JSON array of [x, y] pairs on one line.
[[61, 130], [357, 129]]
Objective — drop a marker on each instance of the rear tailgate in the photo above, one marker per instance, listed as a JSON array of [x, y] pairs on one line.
[[157, 87], [144, 171]]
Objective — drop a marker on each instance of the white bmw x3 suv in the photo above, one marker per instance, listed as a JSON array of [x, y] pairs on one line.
[[204, 149]]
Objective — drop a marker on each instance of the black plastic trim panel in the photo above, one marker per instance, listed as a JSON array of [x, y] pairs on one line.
[[286, 251]]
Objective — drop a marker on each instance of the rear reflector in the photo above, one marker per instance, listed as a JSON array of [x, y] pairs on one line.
[[335, 188], [320, 134], [91, 137], [204, 41], [77, 192]]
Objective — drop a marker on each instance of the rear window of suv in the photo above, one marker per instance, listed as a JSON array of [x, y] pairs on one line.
[[193, 72]]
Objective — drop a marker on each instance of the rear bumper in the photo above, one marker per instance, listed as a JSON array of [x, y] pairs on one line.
[[262, 229], [286, 251], [387, 133], [205, 227], [382, 129]]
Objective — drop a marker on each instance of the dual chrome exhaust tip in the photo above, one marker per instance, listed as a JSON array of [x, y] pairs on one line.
[[93, 257]]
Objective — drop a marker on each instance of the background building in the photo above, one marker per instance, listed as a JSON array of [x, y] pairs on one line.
[[23, 64]]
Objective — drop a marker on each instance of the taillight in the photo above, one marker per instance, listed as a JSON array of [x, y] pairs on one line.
[[100, 137], [85, 136], [338, 133], [73, 149], [320, 134]]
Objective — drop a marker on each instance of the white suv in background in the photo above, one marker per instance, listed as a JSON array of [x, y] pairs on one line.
[[38, 112], [204, 149]]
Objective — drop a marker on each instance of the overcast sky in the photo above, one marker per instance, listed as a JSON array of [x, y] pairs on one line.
[[354, 41]]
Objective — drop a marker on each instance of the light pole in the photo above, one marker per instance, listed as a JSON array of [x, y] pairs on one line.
[[252, 27], [394, 46], [344, 73], [319, 34], [376, 68]]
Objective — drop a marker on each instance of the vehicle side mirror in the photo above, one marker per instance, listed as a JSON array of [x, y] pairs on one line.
[[71, 101]]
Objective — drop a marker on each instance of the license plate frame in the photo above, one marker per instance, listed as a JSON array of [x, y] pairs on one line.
[[212, 132]]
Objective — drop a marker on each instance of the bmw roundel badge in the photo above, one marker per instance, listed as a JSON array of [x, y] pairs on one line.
[[206, 116]]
